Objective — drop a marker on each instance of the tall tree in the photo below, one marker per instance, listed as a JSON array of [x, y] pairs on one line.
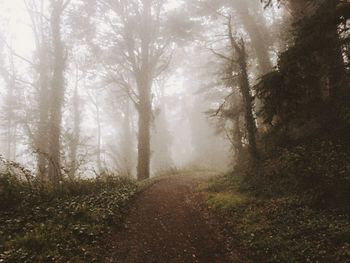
[[57, 90], [161, 145], [127, 139], [94, 99], [304, 97], [254, 24], [42, 66], [8, 74], [240, 57], [76, 133], [141, 50], [236, 76]]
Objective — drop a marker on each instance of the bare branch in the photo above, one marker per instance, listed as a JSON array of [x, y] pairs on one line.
[[220, 55], [14, 53]]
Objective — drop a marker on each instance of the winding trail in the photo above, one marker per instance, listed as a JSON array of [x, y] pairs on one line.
[[168, 222]]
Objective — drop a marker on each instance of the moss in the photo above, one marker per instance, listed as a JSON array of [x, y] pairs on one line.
[[226, 200]]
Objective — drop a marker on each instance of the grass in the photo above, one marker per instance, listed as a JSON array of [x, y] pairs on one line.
[[225, 200], [282, 229], [221, 194]]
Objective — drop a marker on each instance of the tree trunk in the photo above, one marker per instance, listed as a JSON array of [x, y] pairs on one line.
[[57, 94], [76, 131], [161, 147], [255, 27], [298, 9], [127, 141], [144, 134], [333, 58], [41, 37], [237, 135], [144, 83], [247, 101], [42, 133], [10, 100], [244, 86], [99, 138], [9, 77]]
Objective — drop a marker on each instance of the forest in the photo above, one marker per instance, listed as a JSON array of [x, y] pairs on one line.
[[175, 131]]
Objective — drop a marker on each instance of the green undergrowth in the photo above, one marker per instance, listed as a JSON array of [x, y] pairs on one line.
[[186, 170], [66, 225], [221, 194], [317, 171], [279, 229]]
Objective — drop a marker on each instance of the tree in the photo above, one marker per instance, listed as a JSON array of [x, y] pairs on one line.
[[141, 50], [76, 133], [303, 97], [8, 74], [94, 99], [238, 75], [161, 144], [57, 91], [127, 143], [249, 16], [41, 66], [254, 24]]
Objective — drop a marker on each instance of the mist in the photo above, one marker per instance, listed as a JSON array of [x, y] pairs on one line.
[[98, 126], [193, 130]]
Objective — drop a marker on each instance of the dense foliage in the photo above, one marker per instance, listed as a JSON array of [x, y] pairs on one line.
[[318, 172], [305, 146], [42, 225], [292, 204], [309, 94]]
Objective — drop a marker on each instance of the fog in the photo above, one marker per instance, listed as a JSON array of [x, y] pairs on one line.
[[174, 130], [105, 137], [94, 86]]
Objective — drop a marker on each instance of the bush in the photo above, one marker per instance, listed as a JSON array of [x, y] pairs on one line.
[[42, 224], [318, 171], [10, 191]]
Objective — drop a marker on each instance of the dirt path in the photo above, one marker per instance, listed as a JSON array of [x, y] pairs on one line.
[[167, 224]]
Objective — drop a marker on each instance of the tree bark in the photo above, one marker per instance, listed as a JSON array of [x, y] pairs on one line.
[[99, 138], [40, 138], [255, 27], [237, 135], [9, 77], [144, 132], [57, 94], [244, 86], [42, 133], [127, 140], [144, 83], [247, 101], [76, 131]]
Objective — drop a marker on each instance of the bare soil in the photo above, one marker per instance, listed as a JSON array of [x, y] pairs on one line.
[[168, 222]]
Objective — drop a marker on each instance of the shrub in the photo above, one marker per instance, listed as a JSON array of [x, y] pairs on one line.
[[319, 171], [42, 224]]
